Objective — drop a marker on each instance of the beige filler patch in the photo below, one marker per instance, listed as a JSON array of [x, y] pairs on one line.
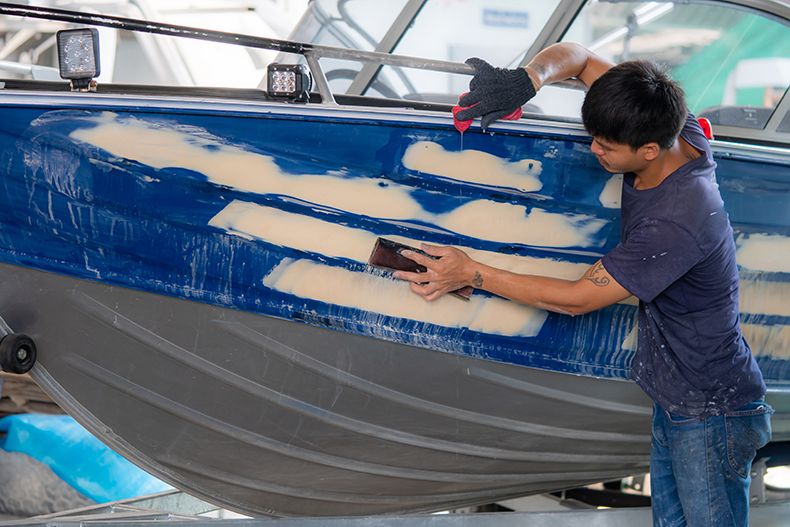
[[768, 341], [765, 298], [473, 166], [377, 293], [763, 252], [234, 167], [296, 231], [507, 223], [331, 239], [612, 193], [385, 296]]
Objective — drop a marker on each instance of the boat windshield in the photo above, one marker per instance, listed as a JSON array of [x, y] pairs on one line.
[[732, 63], [435, 29]]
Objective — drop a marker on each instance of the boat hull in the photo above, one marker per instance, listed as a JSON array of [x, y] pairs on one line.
[[274, 417], [194, 276]]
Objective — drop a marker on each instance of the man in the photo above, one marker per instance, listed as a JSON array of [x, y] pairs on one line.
[[676, 255]]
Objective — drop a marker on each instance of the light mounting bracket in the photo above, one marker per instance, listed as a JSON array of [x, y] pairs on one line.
[[78, 57]]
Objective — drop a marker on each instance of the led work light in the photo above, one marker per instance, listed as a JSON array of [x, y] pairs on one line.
[[78, 56], [288, 82]]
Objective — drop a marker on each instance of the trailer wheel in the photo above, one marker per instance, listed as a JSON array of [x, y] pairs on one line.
[[17, 353]]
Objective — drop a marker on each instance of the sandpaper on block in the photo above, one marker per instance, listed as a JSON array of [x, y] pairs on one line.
[[387, 255]]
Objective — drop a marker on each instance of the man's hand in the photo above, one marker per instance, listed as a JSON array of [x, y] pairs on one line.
[[449, 270], [494, 92]]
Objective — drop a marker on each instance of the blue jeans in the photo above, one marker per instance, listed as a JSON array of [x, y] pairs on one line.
[[699, 468]]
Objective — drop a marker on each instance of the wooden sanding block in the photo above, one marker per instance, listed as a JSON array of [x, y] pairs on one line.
[[387, 255]]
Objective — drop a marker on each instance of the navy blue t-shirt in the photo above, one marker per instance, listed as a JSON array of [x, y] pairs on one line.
[[677, 256]]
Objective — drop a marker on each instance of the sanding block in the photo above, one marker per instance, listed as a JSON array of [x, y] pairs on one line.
[[387, 255]]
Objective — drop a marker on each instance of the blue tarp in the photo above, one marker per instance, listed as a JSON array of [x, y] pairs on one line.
[[77, 457]]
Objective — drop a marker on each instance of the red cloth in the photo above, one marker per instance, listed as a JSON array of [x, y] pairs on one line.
[[461, 126]]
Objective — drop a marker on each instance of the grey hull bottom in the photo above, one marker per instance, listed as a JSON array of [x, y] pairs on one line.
[[271, 417]]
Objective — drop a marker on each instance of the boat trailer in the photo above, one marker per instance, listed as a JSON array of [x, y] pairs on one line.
[[179, 509]]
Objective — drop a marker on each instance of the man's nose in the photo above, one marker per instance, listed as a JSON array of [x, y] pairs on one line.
[[595, 148]]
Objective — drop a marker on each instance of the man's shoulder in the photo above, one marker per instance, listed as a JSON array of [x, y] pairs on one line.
[[693, 134]]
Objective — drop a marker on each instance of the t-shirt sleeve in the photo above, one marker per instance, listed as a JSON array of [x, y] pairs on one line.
[[693, 134], [655, 255]]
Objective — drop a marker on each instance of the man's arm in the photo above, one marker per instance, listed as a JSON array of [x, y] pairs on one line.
[[454, 269], [566, 60], [495, 92]]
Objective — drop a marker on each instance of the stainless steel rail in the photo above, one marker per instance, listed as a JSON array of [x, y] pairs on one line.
[[311, 52]]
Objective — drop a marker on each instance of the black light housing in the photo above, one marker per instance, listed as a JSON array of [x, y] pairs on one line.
[[78, 56], [288, 82]]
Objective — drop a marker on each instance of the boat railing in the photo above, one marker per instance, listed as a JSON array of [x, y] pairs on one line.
[[311, 52], [44, 73]]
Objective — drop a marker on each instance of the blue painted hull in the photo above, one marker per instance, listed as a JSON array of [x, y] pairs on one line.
[[95, 216], [267, 210]]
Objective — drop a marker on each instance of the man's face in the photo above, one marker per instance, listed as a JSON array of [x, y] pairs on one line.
[[617, 158]]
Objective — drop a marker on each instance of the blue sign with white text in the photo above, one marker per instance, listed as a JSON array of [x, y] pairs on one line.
[[515, 19]]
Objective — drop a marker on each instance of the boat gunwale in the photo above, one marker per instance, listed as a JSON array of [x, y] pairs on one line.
[[185, 104], [731, 149]]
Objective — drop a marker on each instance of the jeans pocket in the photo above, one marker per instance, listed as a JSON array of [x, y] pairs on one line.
[[658, 427], [748, 430], [679, 420]]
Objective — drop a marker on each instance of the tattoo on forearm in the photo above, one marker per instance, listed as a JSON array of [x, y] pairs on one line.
[[598, 275], [477, 281]]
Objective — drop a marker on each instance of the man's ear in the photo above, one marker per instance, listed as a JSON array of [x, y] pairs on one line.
[[650, 151]]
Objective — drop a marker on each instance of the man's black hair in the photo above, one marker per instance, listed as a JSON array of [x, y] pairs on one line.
[[635, 103]]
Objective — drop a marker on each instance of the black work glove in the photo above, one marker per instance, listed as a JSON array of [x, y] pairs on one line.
[[494, 92]]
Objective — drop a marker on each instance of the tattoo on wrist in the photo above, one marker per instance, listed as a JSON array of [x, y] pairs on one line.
[[598, 275], [477, 281]]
